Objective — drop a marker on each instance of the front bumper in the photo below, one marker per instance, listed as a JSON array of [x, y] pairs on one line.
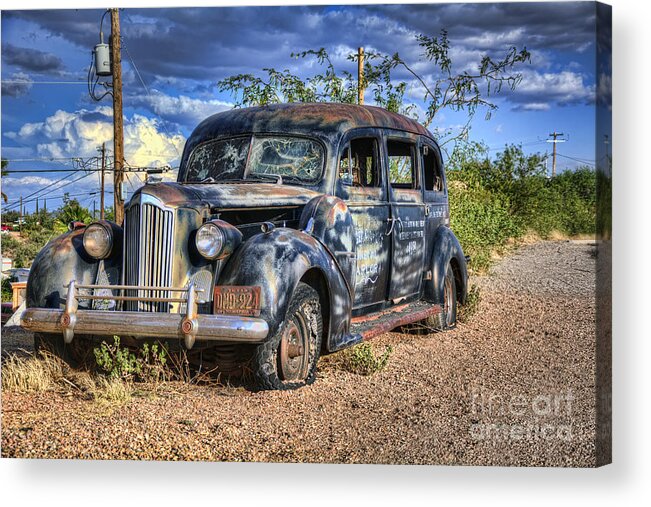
[[190, 325]]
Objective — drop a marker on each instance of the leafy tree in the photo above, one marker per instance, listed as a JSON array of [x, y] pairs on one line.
[[9, 217], [72, 211], [5, 163], [442, 86]]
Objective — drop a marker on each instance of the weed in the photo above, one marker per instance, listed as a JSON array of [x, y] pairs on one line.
[[117, 362], [149, 364], [32, 374], [466, 311], [112, 391], [362, 359]]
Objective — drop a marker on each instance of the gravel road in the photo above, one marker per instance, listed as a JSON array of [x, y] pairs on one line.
[[512, 386]]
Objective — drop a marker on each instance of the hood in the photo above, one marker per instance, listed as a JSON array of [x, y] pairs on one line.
[[228, 195]]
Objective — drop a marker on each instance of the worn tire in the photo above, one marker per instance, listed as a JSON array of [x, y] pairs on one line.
[[272, 366], [446, 319]]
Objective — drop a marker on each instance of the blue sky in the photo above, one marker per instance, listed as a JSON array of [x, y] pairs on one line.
[[181, 53]]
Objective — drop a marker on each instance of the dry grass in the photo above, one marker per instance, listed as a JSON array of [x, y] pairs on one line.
[[32, 373], [47, 372], [112, 391]]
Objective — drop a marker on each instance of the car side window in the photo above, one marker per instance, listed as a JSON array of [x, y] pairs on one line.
[[402, 164], [358, 165], [431, 169]]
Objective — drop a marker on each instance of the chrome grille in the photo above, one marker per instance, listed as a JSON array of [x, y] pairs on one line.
[[148, 236]]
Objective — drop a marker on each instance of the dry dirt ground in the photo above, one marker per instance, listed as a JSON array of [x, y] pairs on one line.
[[512, 386]]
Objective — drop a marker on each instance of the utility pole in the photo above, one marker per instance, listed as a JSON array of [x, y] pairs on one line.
[[118, 135], [37, 205], [94, 209], [20, 220], [101, 198], [360, 76], [555, 135]]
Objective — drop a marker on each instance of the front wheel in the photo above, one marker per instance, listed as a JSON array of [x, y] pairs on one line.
[[447, 317], [77, 353], [288, 360]]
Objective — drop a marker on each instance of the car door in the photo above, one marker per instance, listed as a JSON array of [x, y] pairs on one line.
[[437, 211], [362, 185], [407, 210]]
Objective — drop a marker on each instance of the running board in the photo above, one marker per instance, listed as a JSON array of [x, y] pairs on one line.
[[374, 324]]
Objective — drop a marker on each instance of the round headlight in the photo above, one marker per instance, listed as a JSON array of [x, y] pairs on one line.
[[98, 241], [209, 240]]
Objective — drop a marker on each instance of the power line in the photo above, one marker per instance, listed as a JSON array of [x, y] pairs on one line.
[[62, 196], [44, 188], [27, 171], [50, 191], [586, 162], [13, 81]]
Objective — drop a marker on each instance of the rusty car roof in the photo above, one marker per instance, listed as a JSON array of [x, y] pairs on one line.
[[327, 118]]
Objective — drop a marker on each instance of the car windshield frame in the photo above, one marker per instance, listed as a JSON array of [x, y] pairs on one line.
[[256, 177]]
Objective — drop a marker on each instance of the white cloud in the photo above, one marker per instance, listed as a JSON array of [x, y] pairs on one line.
[[605, 90], [145, 145], [539, 91], [535, 106], [491, 40], [17, 85], [182, 109], [564, 87], [78, 134]]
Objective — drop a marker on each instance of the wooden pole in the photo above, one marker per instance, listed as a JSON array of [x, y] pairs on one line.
[[118, 134], [554, 139], [101, 196], [554, 157], [360, 76]]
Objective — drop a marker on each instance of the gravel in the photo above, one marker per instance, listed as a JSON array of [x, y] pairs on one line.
[[512, 386]]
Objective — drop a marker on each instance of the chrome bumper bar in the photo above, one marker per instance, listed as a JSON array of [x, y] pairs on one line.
[[190, 325]]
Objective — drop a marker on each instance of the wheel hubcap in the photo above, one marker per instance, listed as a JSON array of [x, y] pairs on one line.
[[293, 350]]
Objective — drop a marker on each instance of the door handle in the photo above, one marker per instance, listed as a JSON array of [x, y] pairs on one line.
[[393, 224], [392, 221]]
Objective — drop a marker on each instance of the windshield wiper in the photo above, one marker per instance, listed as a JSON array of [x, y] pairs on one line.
[[278, 179]]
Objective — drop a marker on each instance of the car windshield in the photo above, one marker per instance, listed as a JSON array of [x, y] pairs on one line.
[[296, 159]]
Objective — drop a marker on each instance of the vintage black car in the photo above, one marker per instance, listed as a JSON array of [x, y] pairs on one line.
[[293, 230]]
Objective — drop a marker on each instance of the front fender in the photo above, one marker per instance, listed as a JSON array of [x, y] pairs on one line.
[[276, 261], [446, 249], [61, 260]]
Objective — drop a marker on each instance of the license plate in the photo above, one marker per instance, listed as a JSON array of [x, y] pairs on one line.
[[237, 300]]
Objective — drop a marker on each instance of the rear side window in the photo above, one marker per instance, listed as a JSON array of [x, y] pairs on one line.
[[402, 164], [431, 169]]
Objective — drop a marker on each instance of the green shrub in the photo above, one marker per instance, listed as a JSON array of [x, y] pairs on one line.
[[149, 364], [362, 359], [7, 291], [494, 202]]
